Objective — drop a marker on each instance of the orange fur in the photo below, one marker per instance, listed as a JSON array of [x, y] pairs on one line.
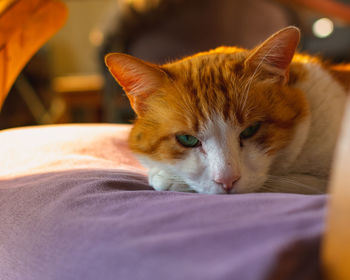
[[221, 82], [342, 73]]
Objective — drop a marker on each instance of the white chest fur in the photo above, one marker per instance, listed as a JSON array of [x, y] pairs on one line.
[[326, 100]]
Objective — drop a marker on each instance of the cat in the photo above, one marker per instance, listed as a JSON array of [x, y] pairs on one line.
[[232, 120]]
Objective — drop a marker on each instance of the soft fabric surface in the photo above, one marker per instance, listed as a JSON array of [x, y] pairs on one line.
[[75, 204]]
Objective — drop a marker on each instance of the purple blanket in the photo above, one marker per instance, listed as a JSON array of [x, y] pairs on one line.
[[78, 206]]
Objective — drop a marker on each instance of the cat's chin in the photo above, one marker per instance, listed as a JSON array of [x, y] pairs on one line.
[[209, 190], [221, 191], [216, 189]]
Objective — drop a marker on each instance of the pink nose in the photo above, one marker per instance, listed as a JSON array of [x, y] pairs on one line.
[[227, 183]]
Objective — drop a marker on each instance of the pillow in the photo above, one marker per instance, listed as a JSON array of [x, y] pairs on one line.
[[75, 204]]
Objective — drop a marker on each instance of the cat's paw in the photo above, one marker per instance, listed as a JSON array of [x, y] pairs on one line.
[[161, 180]]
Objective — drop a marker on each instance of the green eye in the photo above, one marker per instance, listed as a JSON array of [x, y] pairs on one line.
[[188, 141], [250, 131]]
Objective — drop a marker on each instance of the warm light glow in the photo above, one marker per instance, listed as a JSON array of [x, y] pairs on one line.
[[322, 27], [96, 37], [4, 4]]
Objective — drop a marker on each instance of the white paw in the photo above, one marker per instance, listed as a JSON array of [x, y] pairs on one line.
[[161, 180]]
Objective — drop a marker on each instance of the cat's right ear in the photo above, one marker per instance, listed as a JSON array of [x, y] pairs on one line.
[[138, 78], [275, 54]]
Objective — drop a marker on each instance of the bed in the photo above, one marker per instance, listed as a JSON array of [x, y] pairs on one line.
[[75, 204]]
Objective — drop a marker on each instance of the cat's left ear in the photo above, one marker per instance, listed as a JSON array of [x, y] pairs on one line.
[[276, 53], [138, 78]]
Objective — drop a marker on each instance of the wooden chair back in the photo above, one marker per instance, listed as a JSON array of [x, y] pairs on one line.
[[25, 25]]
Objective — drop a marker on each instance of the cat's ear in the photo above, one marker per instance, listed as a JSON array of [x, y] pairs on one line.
[[138, 78], [276, 53]]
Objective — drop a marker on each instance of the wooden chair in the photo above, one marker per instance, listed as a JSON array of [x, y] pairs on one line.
[[25, 25]]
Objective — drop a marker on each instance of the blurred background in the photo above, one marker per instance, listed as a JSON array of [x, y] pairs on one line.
[[66, 81]]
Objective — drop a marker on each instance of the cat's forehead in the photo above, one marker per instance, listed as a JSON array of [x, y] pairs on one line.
[[217, 128], [223, 58], [214, 84]]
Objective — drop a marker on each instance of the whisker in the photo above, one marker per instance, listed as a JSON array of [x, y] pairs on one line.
[[288, 185]]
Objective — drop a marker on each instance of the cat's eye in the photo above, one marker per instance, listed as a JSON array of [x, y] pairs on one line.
[[250, 131], [188, 141]]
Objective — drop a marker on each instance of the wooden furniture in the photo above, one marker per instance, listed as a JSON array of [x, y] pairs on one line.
[[25, 25], [81, 95], [336, 246]]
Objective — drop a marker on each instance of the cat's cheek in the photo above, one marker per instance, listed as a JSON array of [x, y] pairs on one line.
[[256, 159], [254, 169], [179, 175], [254, 175], [205, 186], [249, 184], [194, 170], [190, 166]]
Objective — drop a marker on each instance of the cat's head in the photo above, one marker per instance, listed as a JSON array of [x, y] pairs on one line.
[[217, 119]]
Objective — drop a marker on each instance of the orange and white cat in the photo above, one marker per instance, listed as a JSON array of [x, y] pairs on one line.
[[232, 120]]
